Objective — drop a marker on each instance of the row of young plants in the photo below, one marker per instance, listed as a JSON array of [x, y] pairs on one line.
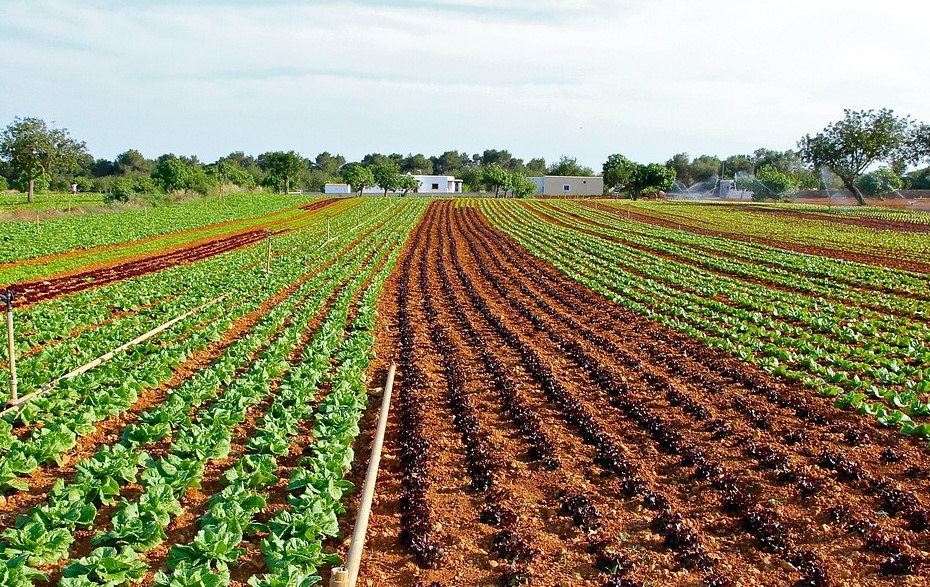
[[510, 541], [805, 265], [689, 551], [763, 221], [139, 525], [863, 342], [815, 276], [231, 513], [72, 408], [44, 332], [688, 306], [84, 231], [293, 549], [889, 352], [697, 413]]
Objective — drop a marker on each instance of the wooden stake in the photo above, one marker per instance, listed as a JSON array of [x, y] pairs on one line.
[[107, 356], [11, 347]]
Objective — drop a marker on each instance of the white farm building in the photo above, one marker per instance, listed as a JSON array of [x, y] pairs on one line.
[[429, 184], [568, 185]]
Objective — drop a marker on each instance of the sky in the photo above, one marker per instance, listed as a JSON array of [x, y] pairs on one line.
[[543, 78]]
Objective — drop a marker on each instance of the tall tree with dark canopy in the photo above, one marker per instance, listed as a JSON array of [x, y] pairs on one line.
[[850, 146], [35, 149], [387, 176], [283, 166], [618, 172]]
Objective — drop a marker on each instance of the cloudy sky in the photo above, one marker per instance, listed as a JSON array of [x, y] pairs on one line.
[[543, 78]]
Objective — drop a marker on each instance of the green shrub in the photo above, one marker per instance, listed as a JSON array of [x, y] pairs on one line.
[[879, 182]]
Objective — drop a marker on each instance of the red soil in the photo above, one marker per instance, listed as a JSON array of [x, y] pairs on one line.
[[465, 280]]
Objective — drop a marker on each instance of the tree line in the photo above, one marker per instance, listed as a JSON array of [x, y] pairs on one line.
[[868, 152]]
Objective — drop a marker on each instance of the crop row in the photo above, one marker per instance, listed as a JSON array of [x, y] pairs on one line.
[[681, 301], [138, 525], [86, 231], [72, 409]]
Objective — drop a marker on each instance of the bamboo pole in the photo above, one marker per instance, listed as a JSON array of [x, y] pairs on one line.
[[11, 348], [354, 558], [109, 355]]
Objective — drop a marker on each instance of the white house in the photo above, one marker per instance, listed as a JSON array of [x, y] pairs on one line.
[[568, 185], [429, 184], [337, 188], [439, 184]]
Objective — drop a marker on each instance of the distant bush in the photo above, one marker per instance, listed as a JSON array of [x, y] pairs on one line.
[[4, 186], [126, 188], [879, 182], [41, 184], [771, 184]]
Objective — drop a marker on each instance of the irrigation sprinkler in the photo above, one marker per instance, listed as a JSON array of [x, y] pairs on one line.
[[347, 576], [8, 296], [327, 228]]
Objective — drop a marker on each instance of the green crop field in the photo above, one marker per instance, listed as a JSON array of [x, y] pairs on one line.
[[588, 392]]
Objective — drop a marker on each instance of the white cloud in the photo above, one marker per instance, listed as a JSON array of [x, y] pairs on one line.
[[584, 77]]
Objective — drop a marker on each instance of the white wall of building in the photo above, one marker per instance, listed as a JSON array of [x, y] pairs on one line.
[[429, 184], [337, 188], [568, 185]]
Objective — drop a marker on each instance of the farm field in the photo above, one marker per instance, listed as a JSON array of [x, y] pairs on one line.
[[871, 235], [585, 395]]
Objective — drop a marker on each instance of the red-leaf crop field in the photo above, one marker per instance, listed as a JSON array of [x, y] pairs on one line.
[[586, 394]]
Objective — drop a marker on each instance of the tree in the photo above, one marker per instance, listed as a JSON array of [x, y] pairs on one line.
[[416, 164], [329, 163], [172, 174], [226, 171], [849, 146], [651, 179], [282, 167], [358, 176], [407, 184], [919, 143], [373, 159], [879, 182], [618, 172], [735, 164], [772, 183], [536, 166], [387, 176], [521, 186], [569, 166], [494, 176], [501, 158], [132, 162], [449, 162], [35, 150]]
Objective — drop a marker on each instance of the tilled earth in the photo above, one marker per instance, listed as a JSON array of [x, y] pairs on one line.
[[542, 435]]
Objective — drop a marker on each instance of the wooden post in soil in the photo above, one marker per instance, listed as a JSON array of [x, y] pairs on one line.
[[347, 576], [15, 404], [268, 258], [11, 348]]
